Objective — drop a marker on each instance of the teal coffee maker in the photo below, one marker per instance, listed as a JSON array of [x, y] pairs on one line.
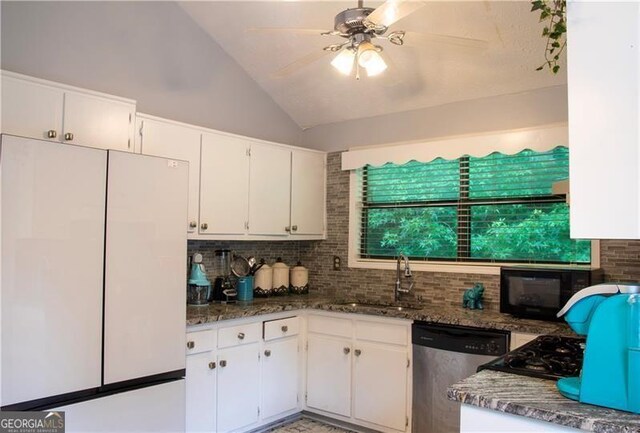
[[609, 315]]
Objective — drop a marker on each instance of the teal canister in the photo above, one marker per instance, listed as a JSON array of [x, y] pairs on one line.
[[245, 288]]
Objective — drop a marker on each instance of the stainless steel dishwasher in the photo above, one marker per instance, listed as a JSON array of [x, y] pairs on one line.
[[442, 356]]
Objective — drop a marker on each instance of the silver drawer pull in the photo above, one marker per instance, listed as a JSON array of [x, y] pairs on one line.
[[52, 133], [267, 352], [294, 228], [193, 224], [212, 365], [204, 226], [287, 229], [241, 336], [346, 350], [223, 363], [190, 344], [68, 136], [357, 352], [284, 328]]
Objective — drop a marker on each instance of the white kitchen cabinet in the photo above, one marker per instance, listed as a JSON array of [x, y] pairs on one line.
[[480, 420], [380, 384], [279, 377], [224, 185], [31, 109], [159, 137], [329, 374], [201, 369], [238, 387], [269, 190], [358, 370], [308, 179], [99, 122], [41, 109], [604, 108], [201, 392]]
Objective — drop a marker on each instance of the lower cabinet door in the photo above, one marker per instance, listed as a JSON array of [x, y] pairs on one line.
[[329, 375], [238, 387], [279, 377], [380, 384], [201, 392]]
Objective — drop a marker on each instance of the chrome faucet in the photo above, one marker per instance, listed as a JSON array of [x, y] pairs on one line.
[[407, 275]]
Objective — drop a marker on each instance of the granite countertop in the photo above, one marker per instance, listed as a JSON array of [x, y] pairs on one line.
[[539, 399], [451, 315]]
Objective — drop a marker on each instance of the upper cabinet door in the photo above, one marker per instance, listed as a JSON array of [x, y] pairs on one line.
[[31, 110], [99, 122], [604, 131], [307, 192], [224, 185], [270, 190], [52, 223], [146, 247], [171, 140]]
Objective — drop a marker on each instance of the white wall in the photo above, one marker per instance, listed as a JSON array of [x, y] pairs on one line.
[[538, 107], [148, 51]]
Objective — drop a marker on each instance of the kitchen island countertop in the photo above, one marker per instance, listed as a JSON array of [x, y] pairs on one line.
[[452, 315], [539, 399]]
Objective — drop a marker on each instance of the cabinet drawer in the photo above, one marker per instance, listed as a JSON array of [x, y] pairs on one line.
[[382, 332], [330, 326], [237, 335], [274, 329], [201, 341]]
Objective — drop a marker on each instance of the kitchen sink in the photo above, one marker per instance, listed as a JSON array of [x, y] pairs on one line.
[[381, 306]]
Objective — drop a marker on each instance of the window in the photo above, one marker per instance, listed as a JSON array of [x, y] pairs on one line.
[[496, 208]]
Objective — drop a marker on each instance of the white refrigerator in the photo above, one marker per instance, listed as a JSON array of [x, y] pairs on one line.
[[92, 285]]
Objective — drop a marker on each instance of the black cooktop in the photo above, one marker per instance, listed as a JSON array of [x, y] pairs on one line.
[[547, 357]]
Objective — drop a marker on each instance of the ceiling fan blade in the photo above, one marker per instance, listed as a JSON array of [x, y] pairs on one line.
[[414, 38], [287, 30], [393, 10], [299, 64]]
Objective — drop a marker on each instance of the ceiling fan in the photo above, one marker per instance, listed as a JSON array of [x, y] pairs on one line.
[[362, 27]]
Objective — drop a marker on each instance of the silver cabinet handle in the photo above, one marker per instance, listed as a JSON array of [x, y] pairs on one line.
[[52, 133], [223, 363], [357, 352], [346, 350], [190, 344], [294, 228], [285, 328], [68, 136], [287, 229], [241, 336], [193, 224], [267, 352], [212, 365], [204, 226]]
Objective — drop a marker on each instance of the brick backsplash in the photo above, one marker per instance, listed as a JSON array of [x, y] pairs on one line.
[[620, 260]]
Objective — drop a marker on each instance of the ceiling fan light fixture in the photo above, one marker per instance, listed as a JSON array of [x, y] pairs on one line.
[[370, 59], [376, 66], [344, 61]]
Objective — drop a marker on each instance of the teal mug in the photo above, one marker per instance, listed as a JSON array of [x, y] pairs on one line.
[[245, 288]]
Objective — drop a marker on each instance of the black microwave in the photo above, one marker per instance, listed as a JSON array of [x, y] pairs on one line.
[[539, 293]]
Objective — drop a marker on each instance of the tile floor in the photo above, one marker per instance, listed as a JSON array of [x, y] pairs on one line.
[[304, 425]]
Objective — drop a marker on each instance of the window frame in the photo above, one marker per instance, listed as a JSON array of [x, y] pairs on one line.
[[473, 267]]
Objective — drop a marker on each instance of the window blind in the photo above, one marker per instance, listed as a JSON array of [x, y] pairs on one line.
[[493, 208]]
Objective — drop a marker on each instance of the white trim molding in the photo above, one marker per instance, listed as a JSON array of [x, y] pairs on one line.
[[508, 142]]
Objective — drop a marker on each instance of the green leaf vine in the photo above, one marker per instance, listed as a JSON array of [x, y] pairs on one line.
[[553, 14]]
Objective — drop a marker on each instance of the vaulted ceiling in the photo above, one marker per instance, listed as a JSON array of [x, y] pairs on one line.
[[426, 72]]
